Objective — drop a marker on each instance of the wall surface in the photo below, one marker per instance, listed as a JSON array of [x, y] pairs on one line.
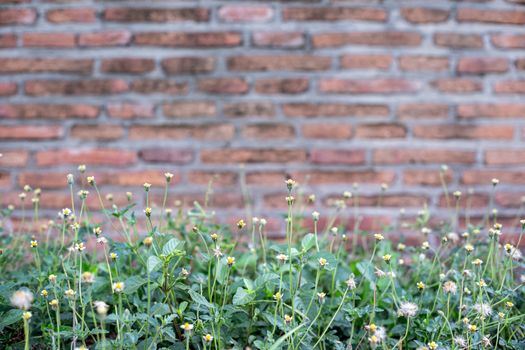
[[329, 92]]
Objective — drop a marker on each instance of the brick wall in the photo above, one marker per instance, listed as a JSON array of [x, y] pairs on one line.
[[330, 92]]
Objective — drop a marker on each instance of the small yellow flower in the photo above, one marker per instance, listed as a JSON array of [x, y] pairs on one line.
[[147, 186], [477, 262], [241, 224], [70, 293], [214, 236], [282, 258], [288, 318], [508, 247], [509, 304], [53, 303], [379, 237], [401, 247], [323, 262], [52, 279], [207, 338], [113, 256], [420, 285], [457, 194], [147, 211], [481, 283], [473, 328], [501, 315], [168, 176], [91, 180], [432, 345], [148, 241], [372, 327], [88, 277], [44, 293], [118, 287], [187, 327], [387, 258], [82, 168], [321, 296], [373, 339], [290, 184], [230, 260], [34, 244], [278, 296], [469, 248], [27, 315], [80, 247], [425, 245]]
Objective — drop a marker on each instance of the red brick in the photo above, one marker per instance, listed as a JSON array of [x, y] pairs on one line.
[[423, 63], [155, 15], [5, 180], [367, 86], [505, 156], [345, 177], [455, 131], [127, 65], [337, 156], [422, 110], [72, 15], [334, 110], [484, 177], [166, 155], [490, 16], [185, 39], [268, 131], [8, 89], [105, 38], [128, 110], [327, 131], [249, 109], [188, 65], [221, 178], [386, 200], [458, 40], [240, 13], [425, 177], [30, 132], [422, 15], [221, 132], [265, 178], [509, 199], [380, 131], [54, 40], [13, 16], [276, 63], [476, 200], [256, 155], [490, 110], [423, 156], [14, 158], [482, 65], [285, 40], [103, 132], [7, 40], [509, 41], [509, 87], [159, 86], [520, 63], [389, 39], [45, 65], [228, 86], [98, 156], [48, 111], [189, 109], [334, 14], [75, 87], [457, 85], [368, 61], [281, 86]]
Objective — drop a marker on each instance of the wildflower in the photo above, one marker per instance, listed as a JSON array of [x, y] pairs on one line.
[[483, 309], [101, 307], [315, 216], [80, 247], [290, 184], [65, 213], [148, 241], [230, 260], [27, 315], [420, 285], [350, 283], [472, 327], [467, 291], [263, 222], [22, 196], [217, 252], [70, 293], [282, 258], [469, 248], [288, 318], [102, 240], [70, 179], [82, 168], [401, 247], [380, 273], [373, 339], [290, 199], [214, 236], [187, 327], [311, 198], [457, 194], [450, 287], [379, 237], [22, 299], [485, 341], [52, 279], [82, 347], [147, 186], [207, 338], [371, 327], [465, 321], [460, 341], [113, 256], [241, 224], [501, 315], [425, 245], [82, 194], [495, 182], [88, 277], [321, 296], [509, 304], [513, 252], [147, 211], [481, 283], [97, 231], [118, 287], [426, 231], [334, 230], [407, 309], [278, 296], [323, 262], [34, 244], [44, 293], [168, 176], [54, 304], [384, 187], [184, 272], [432, 345], [387, 258], [477, 262], [91, 180]]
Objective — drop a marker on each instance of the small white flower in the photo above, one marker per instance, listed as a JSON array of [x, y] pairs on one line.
[[483, 309], [101, 307], [407, 309], [22, 299]]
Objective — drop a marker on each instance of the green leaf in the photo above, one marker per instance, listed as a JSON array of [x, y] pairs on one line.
[[154, 263], [10, 317], [330, 259], [279, 341], [243, 296], [132, 284], [172, 246], [308, 242], [199, 299]]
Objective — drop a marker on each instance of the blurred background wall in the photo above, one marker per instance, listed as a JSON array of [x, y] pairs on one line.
[[329, 92]]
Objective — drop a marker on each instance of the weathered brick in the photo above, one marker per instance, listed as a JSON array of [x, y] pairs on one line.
[[102, 132], [368, 86], [454, 131], [14, 158], [256, 155], [8, 89], [188, 65], [128, 110], [285, 40], [337, 156], [423, 15], [380, 131], [97, 156], [159, 86], [482, 65], [422, 110], [45, 65], [504, 156], [476, 200], [7, 40], [509, 41], [396, 200], [189, 109], [268, 131], [484, 177], [54, 40], [48, 111], [423, 63], [281, 86], [227, 86], [14, 16], [457, 85], [520, 63], [222, 178], [389, 39], [156, 15], [334, 110], [423, 156], [346, 177], [105, 38], [509, 87], [491, 110], [425, 177], [222, 132], [458, 40], [370, 61], [185, 39], [72, 15], [327, 131], [249, 109], [75, 87], [30, 132], [274, 63], [127, 65], [167, 155], [242, 13], [490, 16], [334, 14]]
